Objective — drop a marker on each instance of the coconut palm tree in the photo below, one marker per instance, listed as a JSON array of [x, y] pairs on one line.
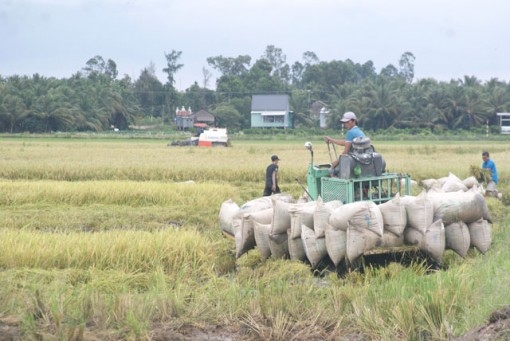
[[496, 99], [385, 103]]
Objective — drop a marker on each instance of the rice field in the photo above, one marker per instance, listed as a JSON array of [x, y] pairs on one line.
[[119, 240]]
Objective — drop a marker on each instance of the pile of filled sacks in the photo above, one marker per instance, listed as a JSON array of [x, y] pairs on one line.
[[432, 221]]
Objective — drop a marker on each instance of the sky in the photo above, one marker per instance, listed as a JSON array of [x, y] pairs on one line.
[[449, 39]]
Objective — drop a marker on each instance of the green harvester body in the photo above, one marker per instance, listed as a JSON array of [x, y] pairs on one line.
[[378, 189]]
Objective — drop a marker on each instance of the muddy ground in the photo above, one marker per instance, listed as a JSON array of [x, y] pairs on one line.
[[496, 328]]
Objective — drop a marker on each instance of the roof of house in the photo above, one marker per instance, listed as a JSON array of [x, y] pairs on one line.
[[203, 116], [183, 112], [270, 103]]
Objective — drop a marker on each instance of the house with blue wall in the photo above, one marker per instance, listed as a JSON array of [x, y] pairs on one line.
[[271, 111]]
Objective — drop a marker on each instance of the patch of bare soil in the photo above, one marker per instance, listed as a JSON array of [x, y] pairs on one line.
[[497, 328], [164, 332], [9, 329]]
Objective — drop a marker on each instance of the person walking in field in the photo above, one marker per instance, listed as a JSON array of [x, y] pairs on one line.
[[350, 122], [272, 177], [492, 182]]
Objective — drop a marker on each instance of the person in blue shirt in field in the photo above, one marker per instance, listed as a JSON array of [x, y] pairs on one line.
[[491, 166], [350, 122]]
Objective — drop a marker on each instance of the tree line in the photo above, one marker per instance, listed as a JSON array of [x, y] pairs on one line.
[[95, 98]]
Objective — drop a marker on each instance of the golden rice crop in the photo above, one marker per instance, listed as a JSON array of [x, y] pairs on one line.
[[151, 160], [173, 250]]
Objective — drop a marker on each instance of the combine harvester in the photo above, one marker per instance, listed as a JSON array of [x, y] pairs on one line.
[[210, 137], [362, 211]]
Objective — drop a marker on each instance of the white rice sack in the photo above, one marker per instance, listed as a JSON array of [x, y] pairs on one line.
[[359, 241], [390, 239], [259, 204], [420, 211], [301, 215], [255, 205], [263, 216], [238, 235], [453, 184], [411, 183], [315, 248], [333, 204], [279, 246], [365, 231], [336, 241], [321, 215], [434, 241], [339, 217], [394, 216], [470, 182], [368, 218], [442, 181], [302, 199], [296, 247], [457, 238], [281, 217], [462, 206], [428, 183], [480, 234], [436, 189], [283, 197], [477, 189], [413, 236], [262, 232], [228, 210], [245, 239]]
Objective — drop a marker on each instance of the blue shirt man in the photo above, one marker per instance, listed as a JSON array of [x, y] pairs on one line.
[[489, 164], [350, 122], [352, 134]]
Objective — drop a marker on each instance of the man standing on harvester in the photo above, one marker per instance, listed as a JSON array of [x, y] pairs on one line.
[[350, 122], [272, 177]]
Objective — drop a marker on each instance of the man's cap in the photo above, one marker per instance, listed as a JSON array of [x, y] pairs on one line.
[[274, 158], [349, 116]]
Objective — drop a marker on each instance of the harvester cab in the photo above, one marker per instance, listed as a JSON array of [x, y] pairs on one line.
[[360, 176]]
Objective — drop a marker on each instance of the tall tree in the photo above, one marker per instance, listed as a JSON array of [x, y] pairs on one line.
[[96, 66], [277, 60], [173, 65], [150, 92], [197, 98], [310, 58], [385, 103], [496, 99], [389, 71], [229, 66], [206, 77], [260, 78], [406, 64], [227, 116], [472, 115], [297, 70]]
